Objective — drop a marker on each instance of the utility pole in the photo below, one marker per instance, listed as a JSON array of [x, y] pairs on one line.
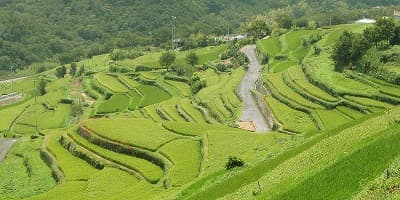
[[173, 32]]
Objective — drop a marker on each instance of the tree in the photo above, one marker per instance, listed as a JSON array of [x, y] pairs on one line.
[[73, 69], [342, 51], [258, 28], [192, 59], [360, 46], [81, 71], [372, 34], [286, 22], [387, 28], [167, 58], [42, 87], [61, 72]]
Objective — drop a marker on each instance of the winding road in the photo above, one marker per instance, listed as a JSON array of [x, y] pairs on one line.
[[5, 146], [251, 112]]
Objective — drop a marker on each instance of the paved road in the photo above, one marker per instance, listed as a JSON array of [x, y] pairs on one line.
[[5, 146], [251, 112]]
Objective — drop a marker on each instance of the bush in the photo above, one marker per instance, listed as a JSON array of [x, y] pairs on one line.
[[234, 162], [142, 68], [176, 78], [221, 67], [197, 84], [66, 101]]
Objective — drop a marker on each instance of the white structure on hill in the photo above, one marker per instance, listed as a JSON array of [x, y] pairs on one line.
[[366, 21], [396, 14]]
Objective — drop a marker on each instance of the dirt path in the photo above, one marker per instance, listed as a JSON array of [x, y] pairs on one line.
[[251, 111], [5, 146]]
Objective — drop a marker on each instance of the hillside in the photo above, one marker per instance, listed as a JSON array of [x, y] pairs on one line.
[[63, 31], [118, 132]]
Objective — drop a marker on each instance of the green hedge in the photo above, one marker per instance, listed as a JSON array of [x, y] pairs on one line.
[[121, 148], [79, 152]]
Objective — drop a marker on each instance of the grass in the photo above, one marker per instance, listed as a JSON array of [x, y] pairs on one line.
[[350, 112], [72, 167], [288, 165], [23, 173], [186, 156], [136, 98], [142, 133], [152, 60], [169, 107], [332, 118], [183, 88], [369, 102], [345, 176], [277, 82], [292, 120], [117, 103], [110, 83], [150, 171], [270, 47], [152, 95], [297, 76], [188, 108]]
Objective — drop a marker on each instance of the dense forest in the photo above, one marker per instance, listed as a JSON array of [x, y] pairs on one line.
[[63, 31]]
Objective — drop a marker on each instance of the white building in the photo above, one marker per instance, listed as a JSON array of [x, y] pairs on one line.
[[366, 21]]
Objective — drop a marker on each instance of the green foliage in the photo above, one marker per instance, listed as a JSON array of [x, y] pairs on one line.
[[258, 28], [196, 83], [42, 87], [234, 162], [73, 69], [342, 51], [192, 59], [167, 58], [61, 72]]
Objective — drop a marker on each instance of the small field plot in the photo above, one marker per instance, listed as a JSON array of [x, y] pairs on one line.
[[278, 83], [270, 47], [117, 103], [142, 133], [292, 120], [332, 118], [194, 113], [152, 95], [23, 173], [186, 157], [147, 169], [355, 114], [298, 77], [183, 88], [369, 102], [169, 108], [111, 83], [136, 98], [321, 70]]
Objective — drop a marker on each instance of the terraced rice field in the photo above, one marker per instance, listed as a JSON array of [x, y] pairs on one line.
[[142, 136]]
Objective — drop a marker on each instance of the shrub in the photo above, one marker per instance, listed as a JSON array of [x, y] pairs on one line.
[[66, 101], [142, 68], [197, 84], [234, 162], [61, 72]]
